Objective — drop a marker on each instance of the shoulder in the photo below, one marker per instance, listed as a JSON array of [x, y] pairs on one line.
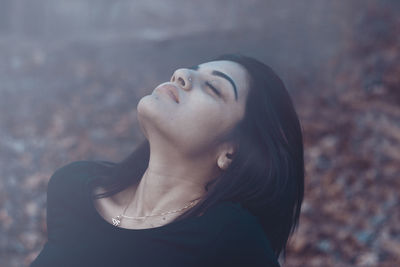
[[238, 217], [66, 187], [66, 195], [79, 167], [243, 222], [76, 172], [242, 239]]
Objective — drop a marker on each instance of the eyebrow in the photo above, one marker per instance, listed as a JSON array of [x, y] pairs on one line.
[[222, 75]]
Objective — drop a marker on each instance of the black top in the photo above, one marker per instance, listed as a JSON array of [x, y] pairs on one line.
[[225, 235]]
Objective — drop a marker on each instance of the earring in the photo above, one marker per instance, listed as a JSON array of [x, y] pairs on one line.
[[223, 165]]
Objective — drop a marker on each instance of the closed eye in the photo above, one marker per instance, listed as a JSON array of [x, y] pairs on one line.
[[213, 88]]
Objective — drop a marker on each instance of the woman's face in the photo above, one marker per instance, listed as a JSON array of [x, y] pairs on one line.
[[209, 100]]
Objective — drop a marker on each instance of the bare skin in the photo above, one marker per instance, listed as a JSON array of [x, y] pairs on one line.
[[183, 155]]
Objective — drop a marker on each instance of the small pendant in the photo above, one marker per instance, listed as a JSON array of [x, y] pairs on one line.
[[116, 220]]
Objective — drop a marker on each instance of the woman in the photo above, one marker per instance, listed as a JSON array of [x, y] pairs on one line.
[[218, 181]]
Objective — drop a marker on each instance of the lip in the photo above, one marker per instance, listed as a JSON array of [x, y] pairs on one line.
[[170, 89]]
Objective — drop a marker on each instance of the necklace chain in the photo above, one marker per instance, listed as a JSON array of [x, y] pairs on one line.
[[164, 213], [117, 219]]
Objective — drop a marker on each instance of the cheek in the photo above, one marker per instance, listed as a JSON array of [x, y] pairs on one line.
[[203, 112], [202, 123]]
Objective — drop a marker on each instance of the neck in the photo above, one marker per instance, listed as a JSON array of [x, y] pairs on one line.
[[171, 181]]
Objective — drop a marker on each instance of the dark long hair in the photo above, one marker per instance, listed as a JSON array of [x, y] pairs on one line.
[[266, 175]]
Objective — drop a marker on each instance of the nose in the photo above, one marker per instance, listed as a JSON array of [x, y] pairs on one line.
[[183, 77]]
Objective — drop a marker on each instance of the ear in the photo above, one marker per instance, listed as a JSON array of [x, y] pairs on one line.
[[225, 156]]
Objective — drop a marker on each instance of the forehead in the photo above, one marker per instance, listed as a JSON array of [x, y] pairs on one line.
[[234, 70]]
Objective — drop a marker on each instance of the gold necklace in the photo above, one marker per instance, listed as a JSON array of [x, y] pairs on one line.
[[117, 219]]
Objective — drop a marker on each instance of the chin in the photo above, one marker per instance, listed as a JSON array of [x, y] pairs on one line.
[[149, 111], [145, 106]]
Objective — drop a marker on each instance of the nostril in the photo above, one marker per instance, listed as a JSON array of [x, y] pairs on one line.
[[181, 81]]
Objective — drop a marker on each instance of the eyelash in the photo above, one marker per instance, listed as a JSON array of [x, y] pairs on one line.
[[213, 88]]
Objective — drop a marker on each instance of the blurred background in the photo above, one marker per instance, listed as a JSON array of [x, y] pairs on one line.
[[72, 73]]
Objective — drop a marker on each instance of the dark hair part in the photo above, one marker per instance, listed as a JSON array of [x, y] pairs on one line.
[[266, 175]]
